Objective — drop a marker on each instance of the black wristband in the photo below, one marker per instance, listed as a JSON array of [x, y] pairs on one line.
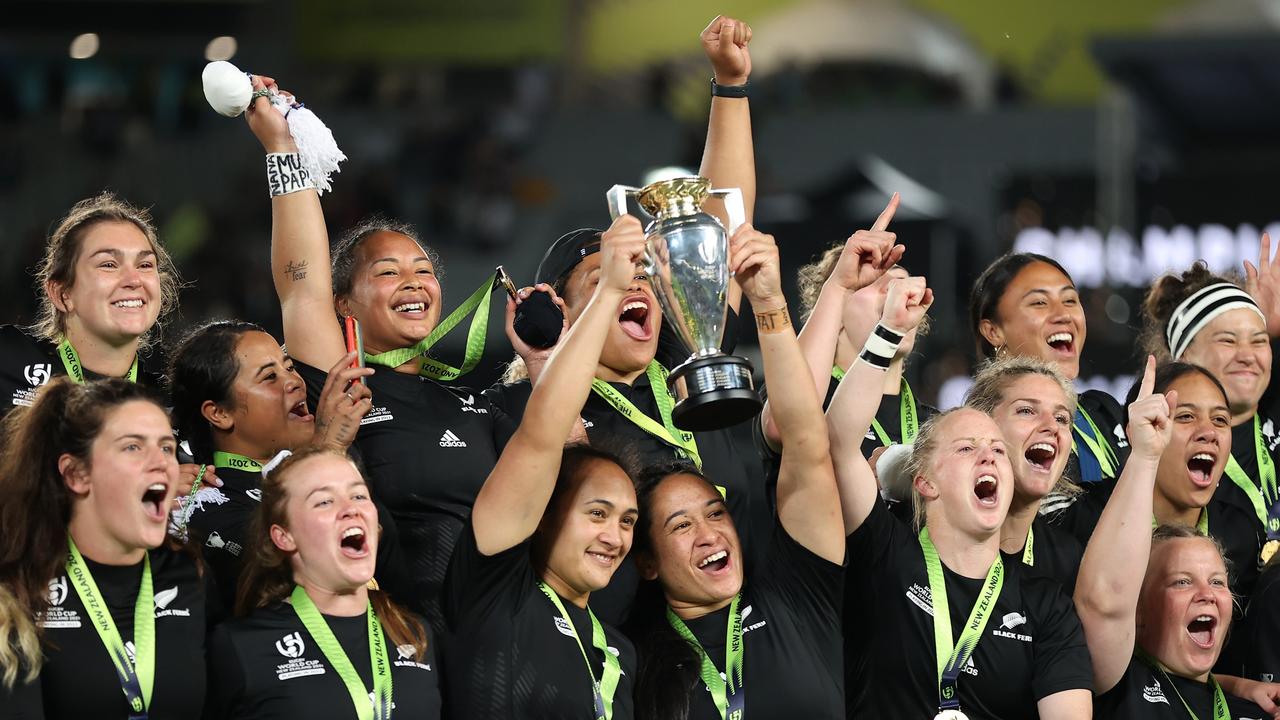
[[730, 91]]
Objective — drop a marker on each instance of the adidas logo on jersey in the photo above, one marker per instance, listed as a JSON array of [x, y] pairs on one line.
[[448, 439]]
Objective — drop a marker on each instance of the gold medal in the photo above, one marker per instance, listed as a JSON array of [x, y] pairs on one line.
[[1268, 550]]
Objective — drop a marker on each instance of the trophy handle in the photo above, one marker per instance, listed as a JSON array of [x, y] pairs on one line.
[[733, 207], [617, 198]]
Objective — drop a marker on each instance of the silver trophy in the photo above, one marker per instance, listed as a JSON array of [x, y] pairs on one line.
[[687, 260]]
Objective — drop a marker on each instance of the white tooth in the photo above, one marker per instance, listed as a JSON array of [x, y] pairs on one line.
[[1202, 456], [128, 303], [1060, 337], [1044, 446], [712, 558], [353, 532], [156, 486]]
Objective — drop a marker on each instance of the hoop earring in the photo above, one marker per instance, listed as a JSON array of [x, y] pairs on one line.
[[1002, 352]]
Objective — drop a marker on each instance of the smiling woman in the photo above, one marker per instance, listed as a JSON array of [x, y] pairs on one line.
[[89, 471], [314, 639], [1026, 305], [428, 444], [104, 283]]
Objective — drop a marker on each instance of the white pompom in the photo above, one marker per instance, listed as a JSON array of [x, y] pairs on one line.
[[227, 88], [317, 149], [891, 471]]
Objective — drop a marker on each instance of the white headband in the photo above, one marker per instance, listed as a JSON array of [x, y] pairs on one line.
[[274, 462], [1197, 311]]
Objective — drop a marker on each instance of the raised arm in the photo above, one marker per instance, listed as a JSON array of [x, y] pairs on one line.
[[729, 159], [515, 495], [858, 397], [1115, 560], [867, 255], [299, 250], [808, 503]]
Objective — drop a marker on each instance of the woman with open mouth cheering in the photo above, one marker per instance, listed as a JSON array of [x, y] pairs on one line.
[[93, 600], [950, 628], [1156, 615], [718, 639], [315, 640], [549, 528]]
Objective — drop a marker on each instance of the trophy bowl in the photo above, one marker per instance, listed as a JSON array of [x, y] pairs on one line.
[[687, 260]]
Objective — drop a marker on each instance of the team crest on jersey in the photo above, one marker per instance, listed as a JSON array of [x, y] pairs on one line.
[[469, 405], [292, 647], [748, 627], [407, 657], [57, 616], [377, 415], [1008, 623], [1153, 693], [255, 494], [166, 597]]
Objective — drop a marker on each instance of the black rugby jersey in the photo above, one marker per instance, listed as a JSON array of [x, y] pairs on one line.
[[1260, 651], [1033, 645], [1241, 538], [1244, 450], [1146, 693], [266, 666], [1055, 554], [512, 657], [427, 449], [723, 462], [792, 643], [78, 680], [28, 362]]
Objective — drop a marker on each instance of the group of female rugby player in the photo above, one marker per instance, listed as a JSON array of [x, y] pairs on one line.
[[245, 531]]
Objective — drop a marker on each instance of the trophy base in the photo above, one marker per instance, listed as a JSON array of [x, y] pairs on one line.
[[713, 392]]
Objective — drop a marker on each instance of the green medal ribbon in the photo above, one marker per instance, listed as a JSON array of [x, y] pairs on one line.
[[434, 369], [1202, 523], [71, 361], [1268, 495], [1220, 709], [908, 421], [1098, 446], [726, 690], [138, 677], [667, 432], [374, 705], [952, 655], [603, 689], [235, 462]]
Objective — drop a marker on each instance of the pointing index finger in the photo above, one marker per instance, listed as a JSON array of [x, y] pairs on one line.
[[1148, 379], [882, 222]]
